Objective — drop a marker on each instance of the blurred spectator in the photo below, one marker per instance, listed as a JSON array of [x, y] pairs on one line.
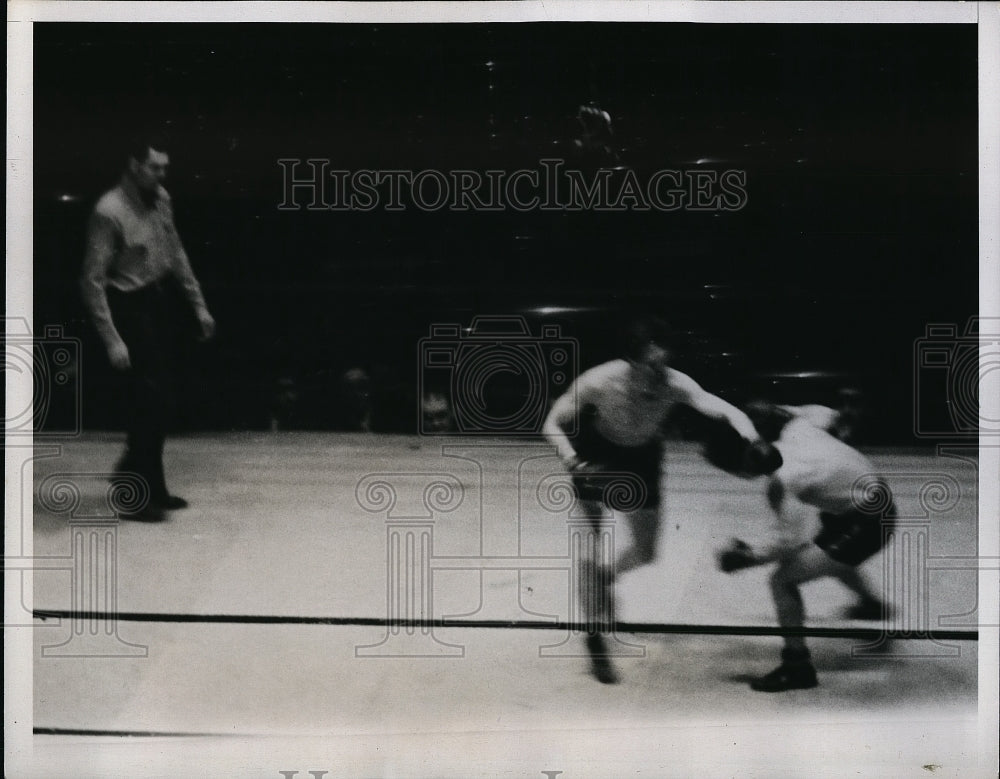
[[284, 404], [594, 139], [356, 400], [436, 413]]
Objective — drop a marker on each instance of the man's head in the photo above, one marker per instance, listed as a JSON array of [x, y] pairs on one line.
[[148, 162], [647, 344]]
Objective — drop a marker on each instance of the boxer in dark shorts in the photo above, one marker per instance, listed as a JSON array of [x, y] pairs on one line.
[[853, 537], [856, 513], [607, 430], [643, 462]]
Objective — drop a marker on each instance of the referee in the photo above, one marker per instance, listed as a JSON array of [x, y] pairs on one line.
[[133, 265]]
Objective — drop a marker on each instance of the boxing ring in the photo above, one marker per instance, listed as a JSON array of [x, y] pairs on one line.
[[366, 585]]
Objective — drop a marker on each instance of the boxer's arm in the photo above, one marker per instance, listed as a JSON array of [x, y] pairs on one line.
[[564, 416], [792, 518], [823, 417], [690, 393]]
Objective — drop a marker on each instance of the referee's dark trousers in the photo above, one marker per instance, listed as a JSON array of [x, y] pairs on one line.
[[146, 322]]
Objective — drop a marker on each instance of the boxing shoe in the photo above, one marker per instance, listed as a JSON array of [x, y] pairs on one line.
[[148, 513], [870, 611], [794, 673], [154, 511], [169, 502], [600, 663]]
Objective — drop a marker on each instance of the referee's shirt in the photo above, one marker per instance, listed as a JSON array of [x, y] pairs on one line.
[[130, 245]]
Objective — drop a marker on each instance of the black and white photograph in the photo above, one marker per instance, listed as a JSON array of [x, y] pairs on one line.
[[498, 389]]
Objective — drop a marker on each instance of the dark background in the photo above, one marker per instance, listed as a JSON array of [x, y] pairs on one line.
[[859, 143]]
